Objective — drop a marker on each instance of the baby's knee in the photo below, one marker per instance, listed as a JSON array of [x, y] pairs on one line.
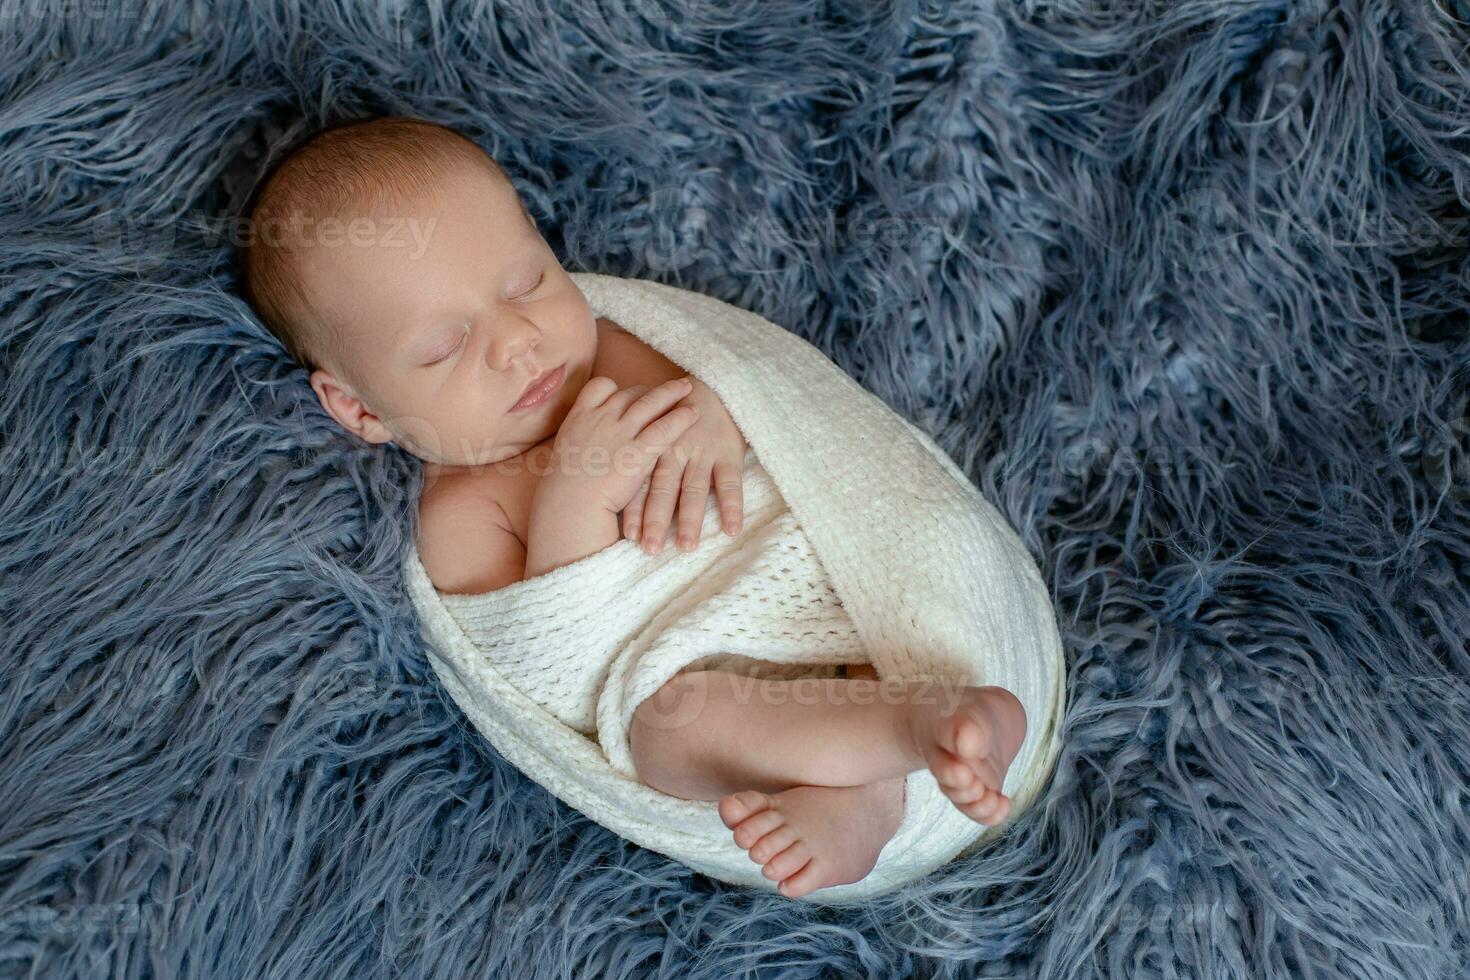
[[676, 704], [660, 735]]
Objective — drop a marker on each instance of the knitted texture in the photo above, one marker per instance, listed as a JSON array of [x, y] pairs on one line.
[[758, 603], [861, 511]]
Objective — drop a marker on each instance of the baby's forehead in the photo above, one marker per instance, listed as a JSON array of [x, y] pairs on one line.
[[403, 209], [409, 200], [368, 244], [401, 195]]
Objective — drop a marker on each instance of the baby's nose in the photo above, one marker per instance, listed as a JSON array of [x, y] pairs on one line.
[[514, 345]]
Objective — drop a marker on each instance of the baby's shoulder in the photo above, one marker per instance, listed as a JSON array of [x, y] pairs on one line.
[[464, 532]]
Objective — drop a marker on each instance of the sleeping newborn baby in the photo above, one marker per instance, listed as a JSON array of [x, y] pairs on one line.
[[394, 259]]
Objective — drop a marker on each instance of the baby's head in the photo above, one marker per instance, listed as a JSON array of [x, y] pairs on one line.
[[394, 260]]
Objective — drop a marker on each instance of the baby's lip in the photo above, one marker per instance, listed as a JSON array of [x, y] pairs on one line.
[[539, 379], [537, 382]]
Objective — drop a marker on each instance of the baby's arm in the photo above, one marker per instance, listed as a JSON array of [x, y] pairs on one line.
[[604, 449], [564, 527], [710, 452], [468, 547], [466, 542]]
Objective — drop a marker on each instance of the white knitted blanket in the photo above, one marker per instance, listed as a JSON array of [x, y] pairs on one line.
[[862, 543]]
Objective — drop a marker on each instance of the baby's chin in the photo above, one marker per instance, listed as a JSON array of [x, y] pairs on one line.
[[540, 438], [522, 432]]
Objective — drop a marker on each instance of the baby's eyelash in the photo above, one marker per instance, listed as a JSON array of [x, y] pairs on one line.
[[449, 353], [540, 278]]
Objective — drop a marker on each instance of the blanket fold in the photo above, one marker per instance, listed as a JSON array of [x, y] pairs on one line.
[[863, 543]]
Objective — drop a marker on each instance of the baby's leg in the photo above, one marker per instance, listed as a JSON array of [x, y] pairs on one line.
[[812, 787], [811, 837], [709, 733]]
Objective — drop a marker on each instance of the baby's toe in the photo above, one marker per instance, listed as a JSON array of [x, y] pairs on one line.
[[978, 812], [809, 878], [953, 774], [973, 793], [788, 862], [737, 806], [773, 843], [758, 825], [968, 736], [989, 810], [986, 773]]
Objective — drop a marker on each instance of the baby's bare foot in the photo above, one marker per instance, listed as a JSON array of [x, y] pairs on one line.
[[968, 737], [811, 837]]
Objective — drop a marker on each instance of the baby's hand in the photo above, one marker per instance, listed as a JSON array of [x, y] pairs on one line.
[[712, 448], [613, 437]]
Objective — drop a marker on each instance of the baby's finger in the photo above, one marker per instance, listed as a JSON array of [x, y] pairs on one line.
[[596, 390], [659, 435], [692, 504], [633, 513], [729, 492], [663, 487], [655, 401]]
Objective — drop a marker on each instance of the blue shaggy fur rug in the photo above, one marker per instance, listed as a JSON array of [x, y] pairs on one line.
[[1182, 284]]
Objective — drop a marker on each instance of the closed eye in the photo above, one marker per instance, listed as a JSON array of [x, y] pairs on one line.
[[449, 353], [539, 280]]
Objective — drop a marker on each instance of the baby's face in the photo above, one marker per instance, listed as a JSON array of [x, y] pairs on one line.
[[442, 343]]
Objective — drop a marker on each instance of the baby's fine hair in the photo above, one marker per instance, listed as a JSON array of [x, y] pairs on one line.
[[347, 170]]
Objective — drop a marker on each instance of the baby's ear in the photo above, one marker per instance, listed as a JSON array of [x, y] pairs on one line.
[[350, 411]]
